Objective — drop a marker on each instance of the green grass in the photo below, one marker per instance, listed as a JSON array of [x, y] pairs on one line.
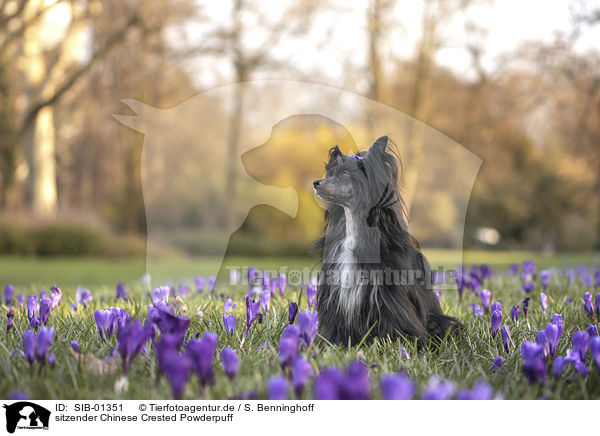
[[464, 360]]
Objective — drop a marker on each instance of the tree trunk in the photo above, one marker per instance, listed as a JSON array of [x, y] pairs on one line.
[[421, 99], [237, 116], [40, 149]]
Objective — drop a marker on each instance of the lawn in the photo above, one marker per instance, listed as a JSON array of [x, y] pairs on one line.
[[463, 361]]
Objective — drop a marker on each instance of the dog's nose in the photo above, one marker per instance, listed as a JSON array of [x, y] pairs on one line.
[[317, 183]]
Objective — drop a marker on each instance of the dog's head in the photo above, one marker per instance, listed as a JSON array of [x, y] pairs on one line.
[[365, 180]]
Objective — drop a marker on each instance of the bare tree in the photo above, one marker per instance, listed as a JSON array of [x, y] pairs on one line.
[[48, 72], [231, 42]]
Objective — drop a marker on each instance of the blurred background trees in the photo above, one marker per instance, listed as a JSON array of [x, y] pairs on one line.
[[532, 115]]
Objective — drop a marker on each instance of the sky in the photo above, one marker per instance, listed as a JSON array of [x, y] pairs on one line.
[[336, 46]]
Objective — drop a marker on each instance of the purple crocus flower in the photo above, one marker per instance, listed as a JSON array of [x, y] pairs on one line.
[[282, 284], [545, 278], [252, 313], [121, 291], [200, 283], [534, 364], [460, 282], [542, 341], [571, 358], [551, 333], [558, 322], [35, 323], [301, 373], [131, 337], [20, 298], [597, 300], [29, 346], [32, 306], [581, 271], [230, 362], [525, 307], [51, 359], [497, 364], [75, 346], [559, 366], [166, 344], [229, 323], [403, 353], [212, 284], [529, 270], [43, 294], [592, 330], [18, 396], [265, 280], [569, 301], [308, 323], [228, 305], [595, 351], [496, 306], [477, 311], [55, 296], [201, 353], [480, 391], [506, 339], [473, 284], [265, 301], [273, 286], [252, 275], [397, 387], [485, 299], [45, 308], [328, 384], [311, 293], [183, 290], [8, 294], [495, 322], [544, 302], [438, 390], [515, 312], [528, 287], [44, 340], [160, 295], [83, 296], [177, 367], [581, 342], [357, 384], [9, 319], [108, 320], [587, 304], [277, 388], [513, 270], [288, 345], [292, 312], [253, 291], [172, 324], [485, 271]]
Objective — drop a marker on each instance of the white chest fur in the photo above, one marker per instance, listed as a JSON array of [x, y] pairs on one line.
[[350, 289]]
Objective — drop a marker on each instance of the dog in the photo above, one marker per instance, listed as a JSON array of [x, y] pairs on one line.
[[375, 282]]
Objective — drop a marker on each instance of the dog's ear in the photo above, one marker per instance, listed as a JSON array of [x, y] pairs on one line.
[[334, 153], [379, 145]]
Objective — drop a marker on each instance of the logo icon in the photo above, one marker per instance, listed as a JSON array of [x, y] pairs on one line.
[[26, 415]]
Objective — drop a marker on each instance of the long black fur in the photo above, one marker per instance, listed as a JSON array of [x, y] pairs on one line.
[[363, 189]]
